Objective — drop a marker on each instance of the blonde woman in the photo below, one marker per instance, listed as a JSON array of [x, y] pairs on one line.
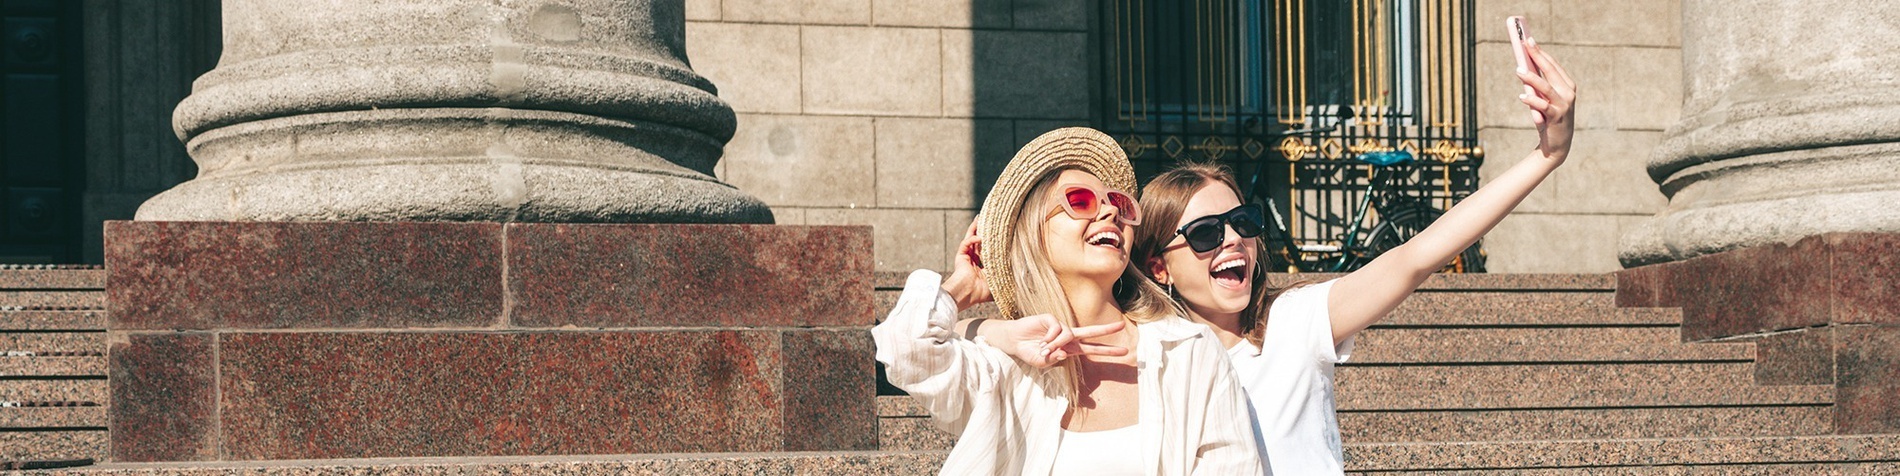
[[1200, 243], [1053, 389]]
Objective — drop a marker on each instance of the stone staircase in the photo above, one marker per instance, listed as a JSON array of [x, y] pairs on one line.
[[1543, 374], [52, 363], [1486, 374]]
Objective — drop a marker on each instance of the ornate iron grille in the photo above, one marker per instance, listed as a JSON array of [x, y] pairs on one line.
[[1292, 94]]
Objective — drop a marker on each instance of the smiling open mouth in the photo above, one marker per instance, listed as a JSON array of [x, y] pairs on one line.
[[1230, 273], [1106, 238]]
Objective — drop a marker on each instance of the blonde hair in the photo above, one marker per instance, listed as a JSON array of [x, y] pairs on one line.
[[1163, 201], [1039, 292]]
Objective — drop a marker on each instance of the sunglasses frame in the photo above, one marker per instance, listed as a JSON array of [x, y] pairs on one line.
[[1129, 215], [1225, 220]]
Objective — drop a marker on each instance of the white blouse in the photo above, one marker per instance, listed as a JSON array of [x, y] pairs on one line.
[[1008, 416]]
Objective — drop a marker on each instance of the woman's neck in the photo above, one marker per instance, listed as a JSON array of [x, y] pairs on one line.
[[1226, 324], [1093, 304]]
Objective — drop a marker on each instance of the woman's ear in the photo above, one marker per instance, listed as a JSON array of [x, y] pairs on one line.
[[1159, 269]]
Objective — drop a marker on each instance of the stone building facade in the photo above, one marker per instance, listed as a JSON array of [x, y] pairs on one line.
[[895, 113]]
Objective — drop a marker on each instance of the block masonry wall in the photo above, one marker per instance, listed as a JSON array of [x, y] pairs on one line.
[[898, 114]]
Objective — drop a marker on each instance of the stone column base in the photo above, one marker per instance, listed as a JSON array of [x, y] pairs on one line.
[[263, 341], [1822, 311]]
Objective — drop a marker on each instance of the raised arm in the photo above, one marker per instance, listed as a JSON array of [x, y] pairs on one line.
[[949, 375], [1364, 297]]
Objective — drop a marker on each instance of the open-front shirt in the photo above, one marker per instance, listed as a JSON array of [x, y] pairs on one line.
[[1008, 416]]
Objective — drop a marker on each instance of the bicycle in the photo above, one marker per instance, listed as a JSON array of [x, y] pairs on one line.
[[1400, 218]]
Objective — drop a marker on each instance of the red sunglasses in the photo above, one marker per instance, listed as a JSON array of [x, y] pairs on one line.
[[1081, 203]]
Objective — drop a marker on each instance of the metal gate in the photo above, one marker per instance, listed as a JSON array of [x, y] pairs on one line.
[[1292, 94]]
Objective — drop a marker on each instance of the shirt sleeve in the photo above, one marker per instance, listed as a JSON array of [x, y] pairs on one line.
[[1228, 440], [923, 356], [1305, 323]]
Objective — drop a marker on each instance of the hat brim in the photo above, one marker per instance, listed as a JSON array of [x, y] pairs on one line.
[[1079, 148]]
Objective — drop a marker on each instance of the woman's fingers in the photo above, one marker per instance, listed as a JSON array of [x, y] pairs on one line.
[[1086, 332], [1085, 348], [1537, 83], [1552, 69]]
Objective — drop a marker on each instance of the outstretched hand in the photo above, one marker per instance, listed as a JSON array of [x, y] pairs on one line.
[[1554, 101], [965, 283], [1039, 340]]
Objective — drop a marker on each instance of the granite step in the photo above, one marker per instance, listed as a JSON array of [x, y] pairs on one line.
[[69, 300], [14, 366], [1584, 397], [1538, 344], [54, 390], [15, 419], [59, 277], [843, 462], [82, 341], [1443, 282], [1764, 454], [1699, 469], [904, 424], [1451, 378], [893, 280], [911, 434], [52, 320], [53, 445], [1604, 423]]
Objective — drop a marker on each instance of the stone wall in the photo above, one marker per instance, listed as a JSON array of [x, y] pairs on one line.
[[1626, 56], [894, 114], [889, 113]]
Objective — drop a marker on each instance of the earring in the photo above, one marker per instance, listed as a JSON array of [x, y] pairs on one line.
[[1170, 289], [1118, 288]]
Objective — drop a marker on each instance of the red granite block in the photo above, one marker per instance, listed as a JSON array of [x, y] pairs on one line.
[[830, 390], [689, 275], [1865, 268], [393, 394], [1803, 357], [164, 398], [1752, 290], [1645, 286], [1867, 381], [205, 275]]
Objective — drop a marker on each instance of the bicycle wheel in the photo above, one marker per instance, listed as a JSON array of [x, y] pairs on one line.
[[1400, 222]]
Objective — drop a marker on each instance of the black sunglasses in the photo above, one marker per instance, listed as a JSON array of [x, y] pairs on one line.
[[1206, 233]]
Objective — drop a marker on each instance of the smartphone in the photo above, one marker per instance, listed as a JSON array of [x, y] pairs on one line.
[[1519, 37]]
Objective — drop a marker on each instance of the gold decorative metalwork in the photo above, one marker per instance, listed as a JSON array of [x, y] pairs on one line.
[[1252, 148], [1367, 146], [1173, 146], [1331, 148], [1214, 147], [1295, 149], [1135, 146]]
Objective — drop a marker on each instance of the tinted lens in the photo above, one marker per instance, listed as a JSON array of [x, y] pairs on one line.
[[1130, 212], [1246, 221], [1204, 234], [1081, 203]]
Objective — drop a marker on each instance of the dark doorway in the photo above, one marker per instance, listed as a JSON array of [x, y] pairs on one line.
[[40, 95]]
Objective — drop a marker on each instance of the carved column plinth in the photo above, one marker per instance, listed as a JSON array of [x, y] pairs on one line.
[[1791, 128], [454, 110]]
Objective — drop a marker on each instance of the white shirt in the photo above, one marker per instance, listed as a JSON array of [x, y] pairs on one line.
[[1008, 416], [1290, 384]]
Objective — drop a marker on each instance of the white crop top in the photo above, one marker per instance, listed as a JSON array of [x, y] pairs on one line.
[[1099, 453]]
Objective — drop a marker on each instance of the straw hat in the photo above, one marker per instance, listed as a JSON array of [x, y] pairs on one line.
[[1073, 147]]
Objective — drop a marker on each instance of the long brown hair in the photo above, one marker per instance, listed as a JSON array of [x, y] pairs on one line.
[[1163, 201]]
